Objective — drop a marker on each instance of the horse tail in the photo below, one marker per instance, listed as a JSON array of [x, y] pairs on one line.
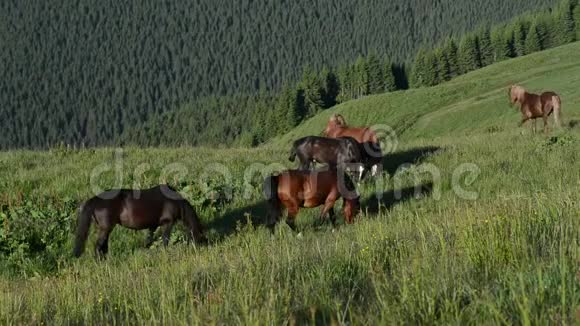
[[292, 156], [557, 104], [271, 194], [191, 219], [271, 187], [84, 220]]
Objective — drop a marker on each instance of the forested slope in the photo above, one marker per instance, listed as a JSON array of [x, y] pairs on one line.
[[86, 71]]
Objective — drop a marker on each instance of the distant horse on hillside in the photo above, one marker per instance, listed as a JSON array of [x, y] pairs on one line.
[[137, 210], [293, 189], [533, 106], [332, 151], [370, 145]]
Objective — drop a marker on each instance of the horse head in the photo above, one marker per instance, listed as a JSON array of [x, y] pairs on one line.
[[516, 94], [340, 120], [336, 121]]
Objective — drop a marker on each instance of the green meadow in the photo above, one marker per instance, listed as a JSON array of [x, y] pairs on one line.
[[473, 221]]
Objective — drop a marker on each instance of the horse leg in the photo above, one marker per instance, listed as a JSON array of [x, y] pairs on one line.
[[102, 245], [167, 226], [545, 118], [332, 216], [524, 119], [327, 208], [304, 166], [150, 237], [291, 218]]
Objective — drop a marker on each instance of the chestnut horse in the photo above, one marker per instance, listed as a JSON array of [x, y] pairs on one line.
[[337, 127], [533, 106], [293, 189], [137, 210], [370, 146]]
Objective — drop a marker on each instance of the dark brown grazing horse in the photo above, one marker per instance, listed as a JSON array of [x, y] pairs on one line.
[[293, 189], [533, 106], [137, 210], [370, 145]]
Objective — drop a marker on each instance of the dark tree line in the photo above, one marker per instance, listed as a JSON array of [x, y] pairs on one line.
[[93, 71], [525, 35]]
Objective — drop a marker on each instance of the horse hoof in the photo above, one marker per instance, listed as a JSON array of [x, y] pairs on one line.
[[333, 230], [299, 235]]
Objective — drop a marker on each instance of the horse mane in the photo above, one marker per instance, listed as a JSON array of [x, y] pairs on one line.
[[338, 120], [518, 93]]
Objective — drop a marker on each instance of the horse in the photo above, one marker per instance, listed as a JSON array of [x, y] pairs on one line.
[[370, 147], [332, 151], [138, 210], [533, 106], [293, 189]]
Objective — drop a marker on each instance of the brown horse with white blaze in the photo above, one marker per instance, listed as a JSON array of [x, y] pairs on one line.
[[293, 189], [533, 106], [138, 210]]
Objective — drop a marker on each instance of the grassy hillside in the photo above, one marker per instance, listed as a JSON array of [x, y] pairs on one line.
[[510, 255], [470, 104]]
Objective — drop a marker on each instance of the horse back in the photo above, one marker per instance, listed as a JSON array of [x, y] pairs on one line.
[[361, 134], [301, 186], [547, 97], [138, 208]]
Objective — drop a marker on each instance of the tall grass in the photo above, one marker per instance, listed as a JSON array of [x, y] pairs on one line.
[[509, 257]]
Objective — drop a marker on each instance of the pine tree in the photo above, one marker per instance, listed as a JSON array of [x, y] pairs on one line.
[[418, 75], [519, 38], [287, 110], [485, 47], [430, 68], [443, 66], [510, 39], [566, 29], [389, 76], [468, 54], [375, 74], [542, 32], [450, 51], [533, 40], [500, 45], [345, 84], [330, 87], [361, 77], [311, 87]]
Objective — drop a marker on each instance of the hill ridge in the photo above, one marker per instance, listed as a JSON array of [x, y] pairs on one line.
[[539, 71]]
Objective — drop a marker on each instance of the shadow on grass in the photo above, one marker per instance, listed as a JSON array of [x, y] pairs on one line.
[[375, 205], [391, 162], [227, 223], [574, 124]]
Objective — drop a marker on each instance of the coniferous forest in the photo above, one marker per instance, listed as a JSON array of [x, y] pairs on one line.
[[238, 72]]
